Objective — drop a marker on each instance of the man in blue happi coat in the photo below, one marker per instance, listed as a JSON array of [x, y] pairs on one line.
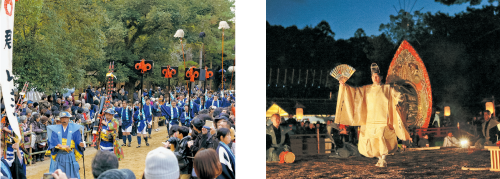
[[148, 113], [125, 113], [186, 116], [141, 125], [171, 113], [66, 145]]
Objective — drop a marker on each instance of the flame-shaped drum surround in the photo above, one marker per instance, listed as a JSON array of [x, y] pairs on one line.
[[408, 75]]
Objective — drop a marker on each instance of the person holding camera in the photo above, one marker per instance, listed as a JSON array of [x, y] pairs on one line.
[[182, 151]]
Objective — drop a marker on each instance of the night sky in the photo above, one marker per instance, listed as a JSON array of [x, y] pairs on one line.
[[345, 17]]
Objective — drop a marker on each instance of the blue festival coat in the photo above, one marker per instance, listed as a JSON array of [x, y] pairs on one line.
[[66, 161]]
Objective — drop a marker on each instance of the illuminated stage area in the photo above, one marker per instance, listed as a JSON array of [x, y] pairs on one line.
[[442, 163]]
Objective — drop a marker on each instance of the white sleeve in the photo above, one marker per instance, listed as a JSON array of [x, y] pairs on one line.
[[233, 148], [12, 161]]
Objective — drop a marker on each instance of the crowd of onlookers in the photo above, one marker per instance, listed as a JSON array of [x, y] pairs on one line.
[[191, 151]]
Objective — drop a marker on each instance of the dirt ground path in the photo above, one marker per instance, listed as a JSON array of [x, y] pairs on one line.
[[443, 163], [134, 157]]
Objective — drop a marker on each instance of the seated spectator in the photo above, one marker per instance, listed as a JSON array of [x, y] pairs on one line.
[[301, 128], [102, 162], [206, 164], [451, 141], [424, 142], [161, 163], [413, 141], [311, 129]]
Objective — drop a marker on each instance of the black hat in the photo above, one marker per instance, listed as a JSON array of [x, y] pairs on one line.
[[219, 118], [198, 123]]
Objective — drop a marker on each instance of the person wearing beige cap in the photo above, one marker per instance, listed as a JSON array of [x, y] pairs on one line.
[[161, 163]]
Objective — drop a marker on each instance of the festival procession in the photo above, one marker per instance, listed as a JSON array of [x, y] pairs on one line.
[[118, 89], [382, 89]]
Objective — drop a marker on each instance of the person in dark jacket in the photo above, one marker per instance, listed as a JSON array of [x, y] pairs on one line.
[[90, 95], [424, 142], [182, 151], [202, 139]]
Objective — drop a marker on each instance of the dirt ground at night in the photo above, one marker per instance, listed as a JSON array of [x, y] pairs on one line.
[[134, 160], [442, 163]]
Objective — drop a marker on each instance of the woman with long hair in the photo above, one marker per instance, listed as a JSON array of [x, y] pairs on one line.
[[206, 164]]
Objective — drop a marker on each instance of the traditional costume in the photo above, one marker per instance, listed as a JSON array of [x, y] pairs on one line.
[[277, 140], [216, 103], [186, 118], [172, 114], [141, 125], [109, 133], [72, 137], [148, 113], [373, 107], [126, 116]]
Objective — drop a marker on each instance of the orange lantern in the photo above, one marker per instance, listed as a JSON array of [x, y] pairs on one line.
[[490, 107], [299, 113], [447, 111]]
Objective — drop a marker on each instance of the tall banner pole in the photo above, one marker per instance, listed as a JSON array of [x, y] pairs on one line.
[[6, 75], [169, 98]]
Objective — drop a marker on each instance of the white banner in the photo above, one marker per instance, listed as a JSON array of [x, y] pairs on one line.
[[6, 76]]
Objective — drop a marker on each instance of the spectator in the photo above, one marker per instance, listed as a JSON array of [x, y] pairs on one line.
[[202, 139], [311, 129], [301, 129], [183, 152], [90, 95], [424, 142], [161, 163], [39, 126], [117, 174], [206, 164], [451, 141], [102, 162], [44, 103], [226, 158]]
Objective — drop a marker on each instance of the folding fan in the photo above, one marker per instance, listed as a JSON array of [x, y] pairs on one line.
[[342, 72]]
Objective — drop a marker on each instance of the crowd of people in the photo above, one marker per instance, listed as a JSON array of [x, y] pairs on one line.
[[200, 127]]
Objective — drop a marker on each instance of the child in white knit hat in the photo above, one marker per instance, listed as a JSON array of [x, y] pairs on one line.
[[161, 163]]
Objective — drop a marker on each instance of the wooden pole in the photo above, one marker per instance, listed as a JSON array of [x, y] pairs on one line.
[[317, 136], [182, 45], [201, 60], [222, 58], [31, 148], [232, 73], [293, 72]]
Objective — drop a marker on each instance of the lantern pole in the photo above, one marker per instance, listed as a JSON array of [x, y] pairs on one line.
[[222, 59]]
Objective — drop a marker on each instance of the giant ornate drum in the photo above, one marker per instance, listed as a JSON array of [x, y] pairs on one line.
[[408, 75]]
